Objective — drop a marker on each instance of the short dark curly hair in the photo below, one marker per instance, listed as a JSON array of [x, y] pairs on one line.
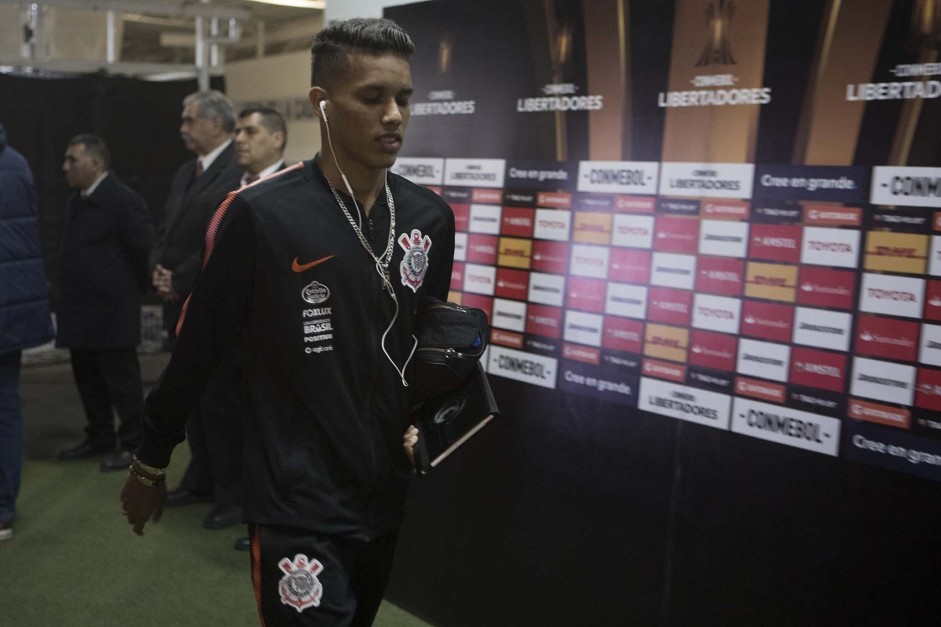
[[339, 39]]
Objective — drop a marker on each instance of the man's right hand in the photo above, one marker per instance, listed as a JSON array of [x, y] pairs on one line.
[[162, 280], [140, 503]]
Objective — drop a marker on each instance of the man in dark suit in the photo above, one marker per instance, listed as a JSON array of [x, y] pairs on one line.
[[102, 272], [199, 186], [260, 137]]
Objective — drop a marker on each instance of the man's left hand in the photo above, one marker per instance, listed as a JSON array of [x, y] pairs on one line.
[[409, 440]]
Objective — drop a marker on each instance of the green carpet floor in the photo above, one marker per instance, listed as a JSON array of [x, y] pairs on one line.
[[73, 560]]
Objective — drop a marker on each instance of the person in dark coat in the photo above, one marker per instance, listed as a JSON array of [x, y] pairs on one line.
[[199, 187], [102, 273], [24, 313]]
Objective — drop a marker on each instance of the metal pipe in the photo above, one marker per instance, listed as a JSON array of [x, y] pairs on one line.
[[111, 57]]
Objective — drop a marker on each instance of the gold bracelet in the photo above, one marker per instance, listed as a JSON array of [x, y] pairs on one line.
[[153, 470], [150, 482]]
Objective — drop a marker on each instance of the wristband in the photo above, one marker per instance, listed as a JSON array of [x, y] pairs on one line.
[[150, 482], [153, 470]]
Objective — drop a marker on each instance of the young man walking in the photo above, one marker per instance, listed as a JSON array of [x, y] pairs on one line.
[[313, 276]]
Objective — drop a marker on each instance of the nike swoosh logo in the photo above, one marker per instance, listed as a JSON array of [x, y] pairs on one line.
[[303, 267]]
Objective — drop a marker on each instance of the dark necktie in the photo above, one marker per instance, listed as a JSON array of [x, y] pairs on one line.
[[199, 168], [250, 178]]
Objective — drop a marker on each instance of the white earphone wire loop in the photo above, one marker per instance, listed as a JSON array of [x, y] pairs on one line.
[[381, 262]]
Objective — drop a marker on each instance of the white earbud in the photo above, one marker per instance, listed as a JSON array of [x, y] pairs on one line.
[[323, 109]]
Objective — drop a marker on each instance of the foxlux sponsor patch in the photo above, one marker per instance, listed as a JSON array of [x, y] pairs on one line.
[[317, 321], [684, 403], [783, 425], [520, 366]]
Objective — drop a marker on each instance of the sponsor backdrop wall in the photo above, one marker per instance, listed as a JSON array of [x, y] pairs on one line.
[[708, 235]]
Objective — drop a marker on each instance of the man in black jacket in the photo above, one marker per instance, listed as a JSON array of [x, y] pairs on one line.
[[102, 272], [316, 273]]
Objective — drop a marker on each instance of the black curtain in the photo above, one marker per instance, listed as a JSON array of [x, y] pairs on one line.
[[138, 119]]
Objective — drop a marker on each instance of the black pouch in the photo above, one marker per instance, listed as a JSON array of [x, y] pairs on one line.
[[451, 340]]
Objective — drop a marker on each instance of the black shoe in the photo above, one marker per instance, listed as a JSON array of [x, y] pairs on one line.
[[85, 449], [121, 461], [243, 544], [182, 497], [223, 516]]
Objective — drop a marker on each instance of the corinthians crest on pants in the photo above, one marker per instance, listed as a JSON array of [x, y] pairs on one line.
[[300, 587], [415, 262]]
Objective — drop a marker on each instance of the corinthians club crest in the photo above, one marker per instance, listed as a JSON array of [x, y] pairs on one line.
[[300, 587], [415, 262]]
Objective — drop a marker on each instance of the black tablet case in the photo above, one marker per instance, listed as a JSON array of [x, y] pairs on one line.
[[446, 422]]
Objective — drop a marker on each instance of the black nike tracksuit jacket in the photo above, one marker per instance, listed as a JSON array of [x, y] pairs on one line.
[[290, 291]]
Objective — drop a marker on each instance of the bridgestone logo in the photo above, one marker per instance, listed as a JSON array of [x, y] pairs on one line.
[[579, 327], [626, 300], [821, 329], [883, 381], [763, 360], [672, 270]]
